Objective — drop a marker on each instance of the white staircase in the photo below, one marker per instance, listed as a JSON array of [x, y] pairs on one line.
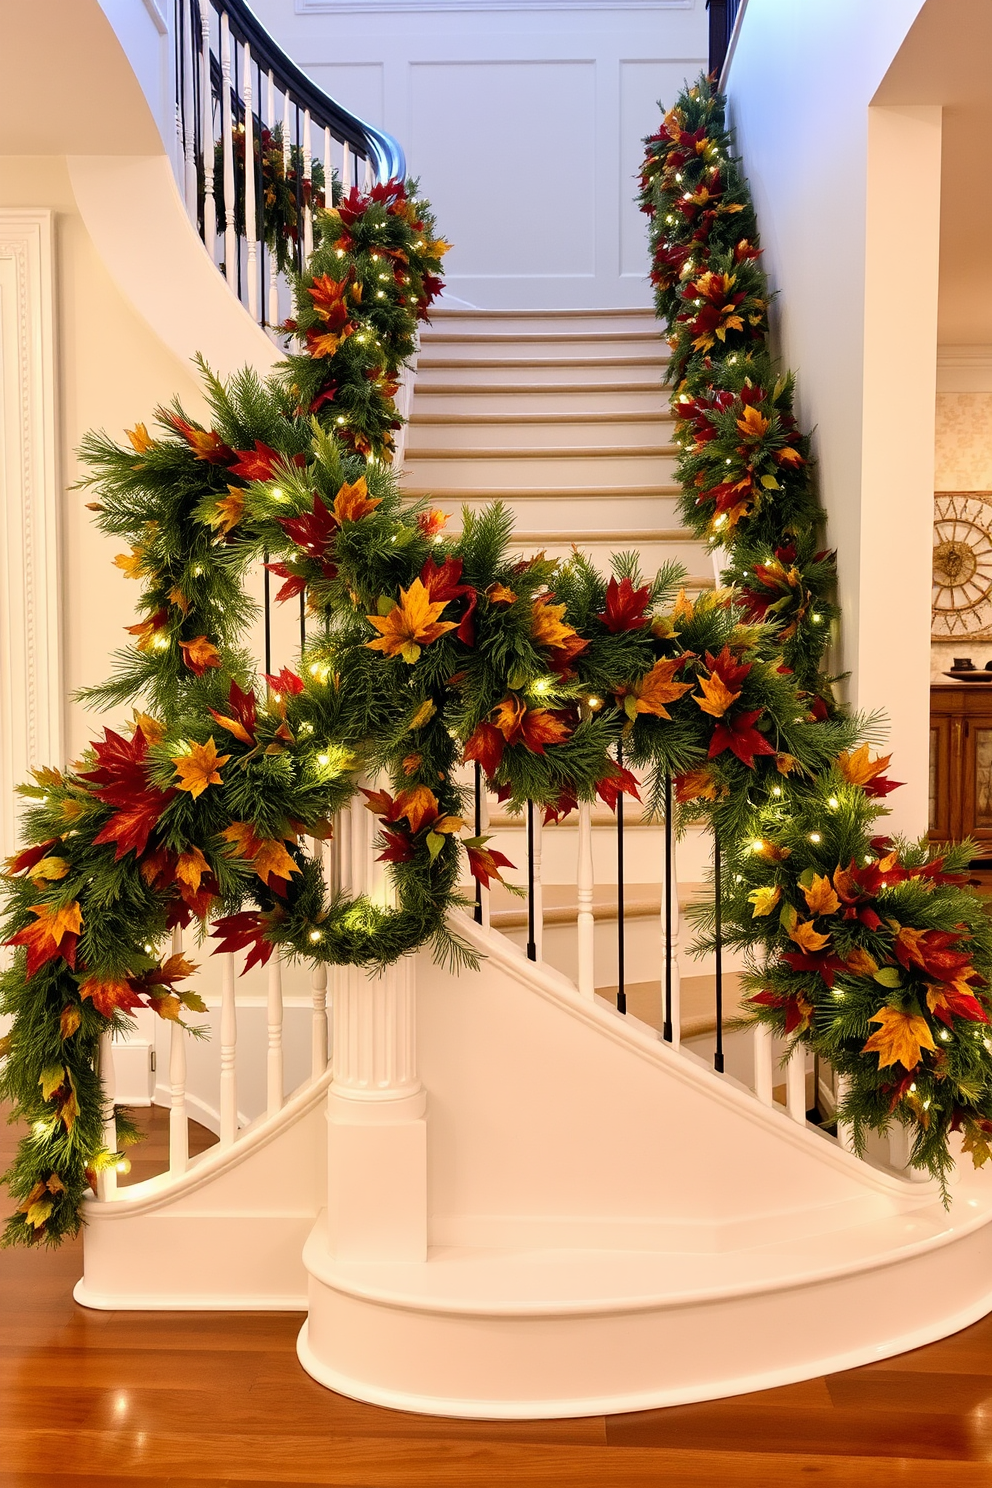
[[563, 416]]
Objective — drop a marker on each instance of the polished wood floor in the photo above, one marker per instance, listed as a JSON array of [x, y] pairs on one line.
[[185, 1400]]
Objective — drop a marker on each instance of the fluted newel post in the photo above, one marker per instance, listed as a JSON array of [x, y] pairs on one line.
[[900, 1150], [106, 1182], [377, 1131]]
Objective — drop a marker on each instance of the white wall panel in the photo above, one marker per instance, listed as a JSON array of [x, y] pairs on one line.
[[522, 120], [356, 85], [474, 175]]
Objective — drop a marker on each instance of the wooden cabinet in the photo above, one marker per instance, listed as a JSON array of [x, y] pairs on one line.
[[961, 764]]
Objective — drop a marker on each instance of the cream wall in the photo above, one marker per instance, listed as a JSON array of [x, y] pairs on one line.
[[111, 372], [831, 172], [523, 121]]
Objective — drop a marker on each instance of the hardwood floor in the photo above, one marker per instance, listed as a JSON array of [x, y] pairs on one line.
[[185, 1400]]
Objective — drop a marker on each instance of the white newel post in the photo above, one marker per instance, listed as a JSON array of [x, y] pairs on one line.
[[377, 1128]]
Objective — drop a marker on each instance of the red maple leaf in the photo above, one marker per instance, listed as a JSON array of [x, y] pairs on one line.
[[286, 683], [730, 672], [245, 929], [485, 744], [823, 963], [242, 717], [121, 779], [485, 862], [294, 585], [399, 848], [443, 585], [625, 606], [797, 1008], [207, 445], [313, 533], [260, 463], [29, 857], [739, 735], [619, 782]]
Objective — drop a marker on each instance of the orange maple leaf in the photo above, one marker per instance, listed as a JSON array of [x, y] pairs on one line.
[[698, 785], [109, 994], [141, 442], [820, 896], [417, 805], [807, 938], [655, 689], [273, 861], [228, 511], [901, 1038], [500, 594], [152, 731], [178, 598], [354, 502], [131, 564], [199, 768], [547, 627], [858, 768], [861, 963], [410, 625], [532, 727], [718, 697], [199, 654], [190, 867], [753, 425]]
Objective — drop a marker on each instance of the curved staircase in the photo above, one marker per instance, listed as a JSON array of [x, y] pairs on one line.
[[502, 1197]]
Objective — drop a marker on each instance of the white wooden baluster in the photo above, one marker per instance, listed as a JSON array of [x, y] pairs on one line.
[[270, 111], [900, 1149], [274, 1058], [206, 99], [188, 141], [346, 181], [328, 171], [228, 1052], [763, 1074], [286, 105], [307, 188], [795, 1084], [178, 1125], [251, 233], [535, 833], [367, 184], [585, 923], [670, 946], [844, 1135], [227, 138], [106, 1182]]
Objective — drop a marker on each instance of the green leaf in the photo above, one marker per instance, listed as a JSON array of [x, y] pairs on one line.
[[770, 483], [435, 842], [889, 976], [50, 1079]]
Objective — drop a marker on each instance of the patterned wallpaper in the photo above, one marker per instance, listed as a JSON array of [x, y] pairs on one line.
[[963, 462]]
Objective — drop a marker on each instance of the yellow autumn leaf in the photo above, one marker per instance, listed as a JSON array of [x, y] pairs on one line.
[[228, 511], [48, 869], [547, 628], [153, 731], [859, 768], [191, 866], [199, 768], [683, 608], [426, 711], [141, 441], [500, 594], [354, 502], [901, 1038], [131, 564], [409, 625], [69, 1021], [820, 896], [764, 900], [654, 690], [861, 963], [753, 425], [807, 938], [717, 696]]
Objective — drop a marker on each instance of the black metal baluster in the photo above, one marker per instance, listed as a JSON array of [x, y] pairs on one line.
[[267, 609], [718, 949], [621, 946], [303, 620], [531, 938], [669, 828], [478, 833]]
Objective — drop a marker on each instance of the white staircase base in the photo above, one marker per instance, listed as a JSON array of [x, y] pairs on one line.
[[518, 1335], [226, 1236]]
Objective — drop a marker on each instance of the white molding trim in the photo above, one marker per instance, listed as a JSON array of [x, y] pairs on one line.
[[31, 678], [964, 369]]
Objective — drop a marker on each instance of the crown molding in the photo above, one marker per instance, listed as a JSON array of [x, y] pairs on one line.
[[964, 369], [31, 692]]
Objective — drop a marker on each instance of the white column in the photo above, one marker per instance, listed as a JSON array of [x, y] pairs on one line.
[[585, 927], [377, 1132], [346, 181], [844, 1136], [270, 111], [307, 181], [228, 1053], [900, 1149]]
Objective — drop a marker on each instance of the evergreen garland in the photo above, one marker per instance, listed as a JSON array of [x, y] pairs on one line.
[[426, 653], [867, 949]]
